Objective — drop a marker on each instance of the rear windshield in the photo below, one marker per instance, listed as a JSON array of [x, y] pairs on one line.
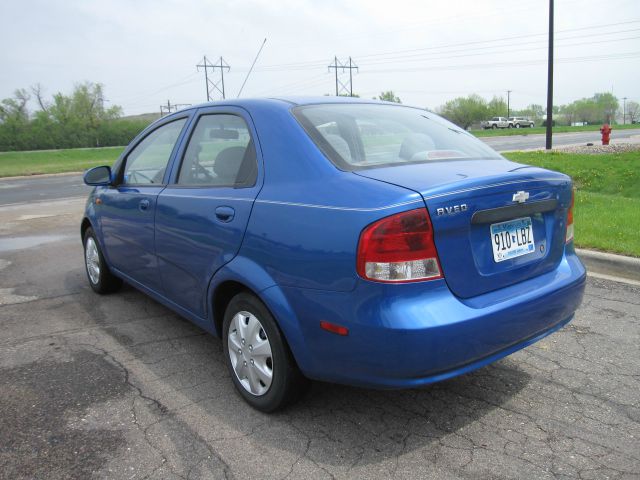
[[357, 136]]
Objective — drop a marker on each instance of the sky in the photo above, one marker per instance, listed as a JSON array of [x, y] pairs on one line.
[[145, 52]]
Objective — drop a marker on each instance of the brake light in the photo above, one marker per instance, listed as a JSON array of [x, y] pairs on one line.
[[399, 248], [569, 234]]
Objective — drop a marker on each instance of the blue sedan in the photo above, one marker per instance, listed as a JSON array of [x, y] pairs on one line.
[[333, 239]]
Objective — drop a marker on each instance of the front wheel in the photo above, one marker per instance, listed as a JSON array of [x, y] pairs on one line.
[[494, 126], [517, 125], [100, 277], [260, 363]]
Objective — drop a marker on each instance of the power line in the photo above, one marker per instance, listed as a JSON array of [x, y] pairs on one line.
[[340, 85], [211, 84]]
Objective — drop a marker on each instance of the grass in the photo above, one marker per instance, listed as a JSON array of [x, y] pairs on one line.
[[498, 132], [56, 161], [607, 208]]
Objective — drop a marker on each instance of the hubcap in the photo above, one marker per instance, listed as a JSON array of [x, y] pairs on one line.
[[250, 353], [92, 260]]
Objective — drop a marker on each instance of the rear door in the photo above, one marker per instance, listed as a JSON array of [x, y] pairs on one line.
[[203, 213], [127, 210]]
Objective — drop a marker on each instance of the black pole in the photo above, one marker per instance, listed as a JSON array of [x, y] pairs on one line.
[[550, 79], [508, 103]]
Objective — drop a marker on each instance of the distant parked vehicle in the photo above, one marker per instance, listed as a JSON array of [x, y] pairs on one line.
[[497, 122], [521, 122]]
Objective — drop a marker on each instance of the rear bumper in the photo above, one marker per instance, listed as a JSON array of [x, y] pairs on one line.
[[413, 334]]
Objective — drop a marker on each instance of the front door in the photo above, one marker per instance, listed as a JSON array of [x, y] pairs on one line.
[[128, 209], [203, 213]]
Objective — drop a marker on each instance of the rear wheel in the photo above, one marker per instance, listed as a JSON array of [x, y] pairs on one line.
[[100, 277], [517, 125], [260, 363], [494, 126]]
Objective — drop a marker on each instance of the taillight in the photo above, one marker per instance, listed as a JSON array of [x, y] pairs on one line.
[[569, 234], [399, 248]]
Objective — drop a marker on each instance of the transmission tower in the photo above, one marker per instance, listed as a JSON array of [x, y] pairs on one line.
[[171, 107], [343, 86], [213, 83]]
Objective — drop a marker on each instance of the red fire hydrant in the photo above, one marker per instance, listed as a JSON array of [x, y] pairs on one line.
[[605, 131]]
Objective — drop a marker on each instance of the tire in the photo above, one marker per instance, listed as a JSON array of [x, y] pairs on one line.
[[494, 126], [101, 280], [251, 377], [510, 126], [517, 125]]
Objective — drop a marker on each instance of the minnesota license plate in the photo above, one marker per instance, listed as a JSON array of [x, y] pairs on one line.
[[512, 239]]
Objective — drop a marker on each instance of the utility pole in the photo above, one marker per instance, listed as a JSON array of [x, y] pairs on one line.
[[213, 85], [170, 108], [624, 110], [508, 103], [341, 86], [550, 80]]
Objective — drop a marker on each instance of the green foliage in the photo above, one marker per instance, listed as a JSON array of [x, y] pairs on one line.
[[389, 96], [496, 107], [464, 111], [632, 111], [599, 109], [66, 121], [607, 199]]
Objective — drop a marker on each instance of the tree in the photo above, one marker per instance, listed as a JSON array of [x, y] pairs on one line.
[[497, 107], [633, 111], [14, 121], [389, 96], [464, 111], [65, 121]]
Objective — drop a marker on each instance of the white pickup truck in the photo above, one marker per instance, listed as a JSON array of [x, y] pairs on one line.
[[497, 122]]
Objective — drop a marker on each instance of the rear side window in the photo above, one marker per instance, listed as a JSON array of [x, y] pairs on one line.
[[221, 153], [357, 136], [147, 162]]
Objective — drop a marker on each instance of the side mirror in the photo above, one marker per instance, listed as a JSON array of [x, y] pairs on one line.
[[98, 176]]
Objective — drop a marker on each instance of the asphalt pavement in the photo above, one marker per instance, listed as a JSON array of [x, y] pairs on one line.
[[528, 142], [120, 387]]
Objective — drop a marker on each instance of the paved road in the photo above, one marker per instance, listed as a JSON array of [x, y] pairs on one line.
[[525, 142], [119, 387], [41, 188], [62, 186]]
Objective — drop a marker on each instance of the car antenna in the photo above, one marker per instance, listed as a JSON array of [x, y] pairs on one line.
[[252, 65]]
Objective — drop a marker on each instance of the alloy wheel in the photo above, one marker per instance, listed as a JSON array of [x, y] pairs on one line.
[[92, 260]]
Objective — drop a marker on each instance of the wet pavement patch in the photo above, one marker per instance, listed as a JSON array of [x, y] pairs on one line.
[[38, 400], [8, 244]]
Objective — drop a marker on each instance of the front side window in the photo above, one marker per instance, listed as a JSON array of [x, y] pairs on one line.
[[148, 161], [357, 136], [220, 153]]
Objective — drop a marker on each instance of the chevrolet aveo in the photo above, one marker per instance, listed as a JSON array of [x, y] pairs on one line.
[[347, 241]]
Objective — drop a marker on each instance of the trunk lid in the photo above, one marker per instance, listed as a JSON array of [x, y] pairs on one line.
[[464, 200]]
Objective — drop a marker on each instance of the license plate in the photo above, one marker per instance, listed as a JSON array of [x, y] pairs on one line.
[[512, 239]]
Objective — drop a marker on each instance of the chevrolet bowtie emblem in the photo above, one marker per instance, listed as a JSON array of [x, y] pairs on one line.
[[521, 196]]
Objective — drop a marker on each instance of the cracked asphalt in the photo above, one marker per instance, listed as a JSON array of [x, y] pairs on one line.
[[120, 387]]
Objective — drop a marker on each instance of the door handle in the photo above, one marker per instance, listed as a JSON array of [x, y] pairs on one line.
[[225, 214], [143, 205]]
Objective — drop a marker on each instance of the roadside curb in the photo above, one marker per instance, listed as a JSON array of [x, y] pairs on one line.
[[610, 264]]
